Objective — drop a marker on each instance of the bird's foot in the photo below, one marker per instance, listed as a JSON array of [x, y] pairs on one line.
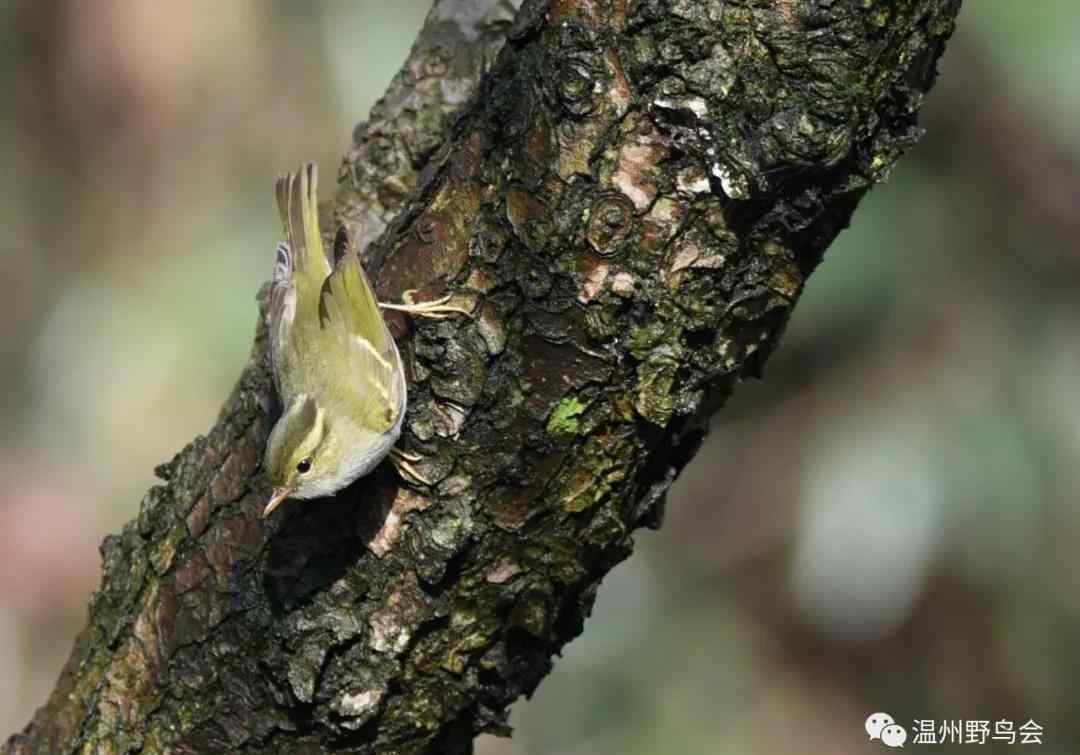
[[437, 309], [403, 463]]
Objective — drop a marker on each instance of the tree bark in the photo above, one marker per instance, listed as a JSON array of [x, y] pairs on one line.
[[629, 196]]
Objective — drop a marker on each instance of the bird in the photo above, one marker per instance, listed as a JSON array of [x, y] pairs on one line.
[[335, 364]]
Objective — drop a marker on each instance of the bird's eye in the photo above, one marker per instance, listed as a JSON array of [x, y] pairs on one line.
[[304, 466]]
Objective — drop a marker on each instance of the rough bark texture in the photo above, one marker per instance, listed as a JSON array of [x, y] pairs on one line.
[[630, 201]]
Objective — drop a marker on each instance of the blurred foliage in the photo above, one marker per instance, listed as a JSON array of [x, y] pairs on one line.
[[887, 522]]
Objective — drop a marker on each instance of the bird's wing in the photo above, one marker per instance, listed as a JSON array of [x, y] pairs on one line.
[[348, 309]]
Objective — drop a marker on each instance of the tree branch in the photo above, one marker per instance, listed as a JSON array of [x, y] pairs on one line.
[[630, 201]]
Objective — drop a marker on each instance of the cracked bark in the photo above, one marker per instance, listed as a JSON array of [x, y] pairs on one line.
[[629, 196]]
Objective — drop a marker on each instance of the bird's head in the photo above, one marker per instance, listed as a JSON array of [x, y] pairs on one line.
[[299, 462]]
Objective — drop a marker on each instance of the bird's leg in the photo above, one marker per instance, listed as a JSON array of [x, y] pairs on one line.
[[436, 310], [403, 463]]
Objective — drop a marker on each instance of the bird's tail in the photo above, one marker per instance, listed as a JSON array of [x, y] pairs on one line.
[[298, 205]]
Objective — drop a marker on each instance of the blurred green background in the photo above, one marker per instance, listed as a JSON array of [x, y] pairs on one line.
[[887, 522]]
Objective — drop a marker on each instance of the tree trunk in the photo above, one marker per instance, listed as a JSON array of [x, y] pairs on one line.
[[629, 196]]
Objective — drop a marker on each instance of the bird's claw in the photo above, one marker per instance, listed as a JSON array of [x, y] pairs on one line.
[[403, 463], [437, 309]]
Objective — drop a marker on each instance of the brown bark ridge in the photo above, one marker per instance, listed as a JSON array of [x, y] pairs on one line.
[[629, 197]]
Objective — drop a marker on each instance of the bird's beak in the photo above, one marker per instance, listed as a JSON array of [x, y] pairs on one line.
[[276, 499]]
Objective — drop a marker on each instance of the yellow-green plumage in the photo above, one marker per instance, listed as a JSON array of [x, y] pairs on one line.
[[335, 364]]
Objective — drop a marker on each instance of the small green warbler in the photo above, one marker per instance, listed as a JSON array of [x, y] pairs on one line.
[[336, 366]]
